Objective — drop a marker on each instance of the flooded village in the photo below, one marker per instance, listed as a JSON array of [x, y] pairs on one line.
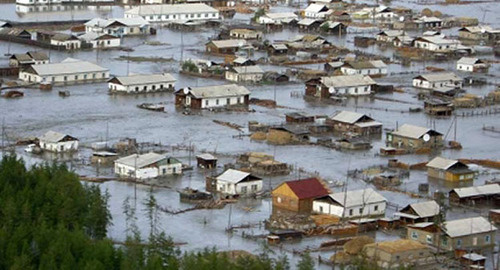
[[347, 130]]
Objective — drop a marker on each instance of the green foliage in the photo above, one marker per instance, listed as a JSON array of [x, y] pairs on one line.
[[324, 27], [306, 262], [258, 13], [189, 66]]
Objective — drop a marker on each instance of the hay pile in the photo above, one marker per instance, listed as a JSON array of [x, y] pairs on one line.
[[321, 220], [341, 258], [258, 136], [279, 137], [354, 246]]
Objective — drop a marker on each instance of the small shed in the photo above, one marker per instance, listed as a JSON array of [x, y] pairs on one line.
[[206, 161], [449, 170]]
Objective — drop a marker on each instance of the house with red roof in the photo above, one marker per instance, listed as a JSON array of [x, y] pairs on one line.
[[298, 195]]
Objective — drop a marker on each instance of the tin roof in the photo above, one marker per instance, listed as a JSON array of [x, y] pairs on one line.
[[440, 76], [315, 8], [282, 15], [232, 176], [229, 43], [468, 61], [465, 192], [171, 9], [425, 209], [140, 161], [441, 163], [411, 131], [357, 197], [248, 70], [365, 64], [227, 90], [347, 117], [307, 188], [53, 137], [206, 156], [468, 226], [347, 81], [68, 66], [144, 79]]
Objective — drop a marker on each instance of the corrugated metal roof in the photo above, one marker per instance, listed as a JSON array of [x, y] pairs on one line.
[[282, 15], [468, 61], [171, 9], [248, 69], [347, 81], [306, 21], [477, 190], [145, 79], [441, 163], [411, 131], [206, 156], [98, 22], [307, 188], [227, 90], [140, 161], [347, 117], [421, 225], [315, 8], [232, 176], [366, 64], [229, 43], [440, 76], [425, 209], [52, 137], [467, 226], [357, 197], [68, 66]]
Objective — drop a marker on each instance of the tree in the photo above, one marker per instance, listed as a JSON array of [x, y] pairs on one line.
[[258, 13], [306, 262]]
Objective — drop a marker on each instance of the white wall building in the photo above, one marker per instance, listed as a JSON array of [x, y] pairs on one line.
[[245, 74], [237, 182], [101, 40], [142, 83], [351, 85], [69, 41], [47, 2], [150, 165], [351, 204], [277, 18], [57, 142], [316, 11], [436, 44], [69, 70], [209, 97], [372, 68], [119, 26], [438, 80], [471, 64], [174, 13]]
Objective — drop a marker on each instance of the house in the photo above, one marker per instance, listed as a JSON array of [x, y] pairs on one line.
[[308, 24], [277, 18], [419, 212], [236, 182], [55, 2], [228, 46], [317, 11], [57, 142], [475, 233], [142, 83], [334, 28], [298, 118], [354, 143], [486, 194], [243, 62], [438, 107], [298, 195], [473, 261], [100, 40], [206, 161], [15, 32], [277, 49], [245, 74], [69, 70], [494, 216], [4, 25], [210, 97], [68, 41], [471, 64], [436, 44], [118, 26], [308, 42], [414, 137], [340, 15], [348, 85], [398, 254], [346, 121], [449, 170], [103, 158], [351, 204], [150, 165], [480, 32], [388, 36], [372, 68], [174, 13], [425, 22], [29, 58], [333, 67], [402, 41], [288, 134], [382, 13], [247, 34], [438, 80]]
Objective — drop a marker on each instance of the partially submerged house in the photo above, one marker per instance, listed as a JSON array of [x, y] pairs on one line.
[[118, 26], [68, 41], [30, 58], [449, 170], [277, 49], [142, 83], [414, 137], [206, 161], [196, 12], [100, 40], [425, 22], [334, 28], [479, 32], [16, 33], [389, 35], [317, 11], [419, 212], [298, 195], [252, 74], [438, 107], [309, 24], [228, 46], [398, 253], [57, 142], [438, 80], [485, 194], [351, 204], [346, 121], [436, 44], [471, 64], [243, 33], [372, 68], [234, 182], [208, 97], [69, 70], [277, 18], [150, 165], [345, 85], [466, 234]]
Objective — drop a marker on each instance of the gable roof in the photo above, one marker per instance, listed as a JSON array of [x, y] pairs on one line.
[[469, 61], [315, 8], [281, 15], [37, 55], [442, 163], [411, 131], [144, 79], [357, 197], [140, 161], [467, 226], [54, 137], [307, 21], [348, 117], [229, 43], [67, 66], [248, 70], [366, 64], [425, 209], [227, 90], [465, 192], [233, 176], [171, 9], [439, 76], [307, 188], [347, 81]]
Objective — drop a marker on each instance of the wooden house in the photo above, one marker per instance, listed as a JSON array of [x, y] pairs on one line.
[[210, 97], [298, 195], [247, 34], [346, 121], [438, 107], [449, 170], [485, 194], [229, 46], [414, 137], [298, 118], [277, 49], [16, 33], [308, 24], [345, 85], [206, 161], [334, 28], [494, 216], [419, 212], [398, 253]]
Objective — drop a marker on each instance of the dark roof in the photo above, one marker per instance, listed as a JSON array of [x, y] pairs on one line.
[[38, 55], [308, 188]]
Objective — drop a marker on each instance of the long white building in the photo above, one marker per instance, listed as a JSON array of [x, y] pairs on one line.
[[118, 26], [150, 165], [57, 142], [174, 13], [142, 83], [69, 70], [49, 2], [351, 204]]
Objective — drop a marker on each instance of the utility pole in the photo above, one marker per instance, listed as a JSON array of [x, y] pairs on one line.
[[3, 134]]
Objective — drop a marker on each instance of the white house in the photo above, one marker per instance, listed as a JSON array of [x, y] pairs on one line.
[[436, 44], [51, 2], [471, 64], [174, 13], [351, 204], [351, 85], [119, 26], [438, 80], [277, 18], [371, 68], [236, 182], [69, 70], [57, 142], [389, 35], [101, 40], [150, 165], [210, 97], [71, 42], [245, 74], [142, 83], [316, 11]]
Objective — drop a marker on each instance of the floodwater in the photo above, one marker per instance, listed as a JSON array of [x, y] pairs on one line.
[[89, 111]]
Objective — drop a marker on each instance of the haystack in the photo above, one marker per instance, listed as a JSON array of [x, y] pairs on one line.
[[279, 137], [354, 246], [258, 136]]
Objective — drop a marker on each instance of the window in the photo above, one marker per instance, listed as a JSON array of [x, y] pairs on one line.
[[244, 189], [53, 79], [254, 187], [85, 76], [109, 42], [278, 199], [414, 235], [145, 88], [321, 209], [428, 238], [153, 87], [375, 208], [487, 239], [350, 212], [104, 75], [174, 170], [199, 15], [459, 242], [137, 88], [444, 241], [206, 102], [65, 78], [164, 170], [161, 86], [397, 257], [93, 76], [361, 210], [228, 101], [474, 241], [217, 102]]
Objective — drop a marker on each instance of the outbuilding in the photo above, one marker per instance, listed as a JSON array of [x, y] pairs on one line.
[[419, 212], [449, 170], [298, 195], [362, 124], [57, 142], [135, 84]]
